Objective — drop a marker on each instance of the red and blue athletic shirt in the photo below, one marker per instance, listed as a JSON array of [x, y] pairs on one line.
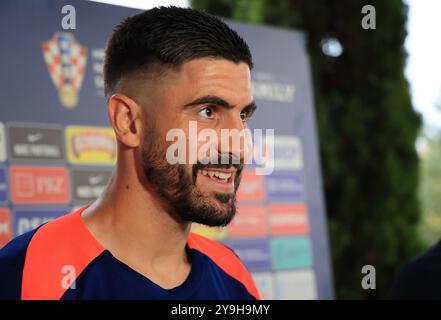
[[33, 266]]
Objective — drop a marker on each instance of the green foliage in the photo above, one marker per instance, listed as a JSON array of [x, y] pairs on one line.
[[367, 129], [430, 188]]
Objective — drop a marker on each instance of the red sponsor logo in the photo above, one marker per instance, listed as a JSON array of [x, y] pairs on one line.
[[39, 185], [251, 186], [290, 218], [249, 221], [5, 226]]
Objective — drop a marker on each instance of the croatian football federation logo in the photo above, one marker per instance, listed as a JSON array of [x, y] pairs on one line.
[[66, 62]]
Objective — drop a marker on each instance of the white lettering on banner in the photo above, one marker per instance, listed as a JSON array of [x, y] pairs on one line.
[[264, 87], [89, 191], [37, 150], [284, 185], [27, 224], [50, 185], [288, 153], [98, 70], [98, 67], [98, 53], [252, 254], [96, 179], [272, 91]]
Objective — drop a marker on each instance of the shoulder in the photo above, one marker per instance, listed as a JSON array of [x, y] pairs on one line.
[[21, 257], [218, 252], [12, 259], [207, 245], [225, 258], [63, 242], [419, 278]]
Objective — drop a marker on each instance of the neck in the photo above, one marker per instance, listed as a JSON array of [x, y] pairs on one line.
[[130, 221]]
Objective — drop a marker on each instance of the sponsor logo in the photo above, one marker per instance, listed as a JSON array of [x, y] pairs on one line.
[[88, 184], [27, 220], [36, 142], [34, 137], [287, 153], [291, 252], [251, 187], [2, 143], [97, 57], [91, 145], [249, 221], [255, 254], [264, 87], [288, 219], [39, 184], [265, 283], [96, 179], [3, 185], [295, 285], [66, 62], [5, 226], [285, 185]]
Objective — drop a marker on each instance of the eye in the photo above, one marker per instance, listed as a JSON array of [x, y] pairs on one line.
[[207, 112], [245, 115]]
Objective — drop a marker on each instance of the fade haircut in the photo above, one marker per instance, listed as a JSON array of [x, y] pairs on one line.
[[166, 37]]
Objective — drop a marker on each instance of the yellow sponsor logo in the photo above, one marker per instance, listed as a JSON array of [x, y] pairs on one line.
[[90, 145]]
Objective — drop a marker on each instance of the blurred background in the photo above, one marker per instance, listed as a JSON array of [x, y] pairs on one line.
[[377, 101], [378, 107]]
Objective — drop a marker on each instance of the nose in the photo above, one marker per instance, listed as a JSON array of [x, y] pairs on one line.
[[234, 138]]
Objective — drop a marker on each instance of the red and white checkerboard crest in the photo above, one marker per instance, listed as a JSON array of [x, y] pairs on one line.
[[66, 62]]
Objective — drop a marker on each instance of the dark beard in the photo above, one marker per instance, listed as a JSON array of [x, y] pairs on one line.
[[178, 188]]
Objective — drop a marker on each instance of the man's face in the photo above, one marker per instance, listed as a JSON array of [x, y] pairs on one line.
[[211, 94]]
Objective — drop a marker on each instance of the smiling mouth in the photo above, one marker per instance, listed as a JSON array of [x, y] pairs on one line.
[[221, 177]]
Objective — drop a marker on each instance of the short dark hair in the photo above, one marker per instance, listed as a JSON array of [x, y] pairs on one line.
[[168, 37]]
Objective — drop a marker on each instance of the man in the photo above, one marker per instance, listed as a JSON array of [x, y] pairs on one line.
[[420, 278], [164, 68]]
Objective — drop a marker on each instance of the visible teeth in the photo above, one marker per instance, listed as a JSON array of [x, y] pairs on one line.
[[224, 175], [220, 175]]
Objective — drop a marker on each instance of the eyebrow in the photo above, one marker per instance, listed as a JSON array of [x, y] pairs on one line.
[[215, 100]]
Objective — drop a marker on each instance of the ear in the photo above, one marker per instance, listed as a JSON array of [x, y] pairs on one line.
[[126, 118]]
